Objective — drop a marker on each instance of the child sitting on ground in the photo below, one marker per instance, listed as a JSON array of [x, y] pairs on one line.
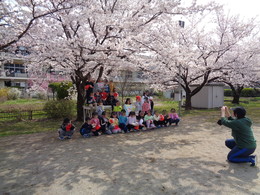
[[158, 119], [148, 118], [173, 117], [104, 124], [166, 118], [132, 123], [123, 121], [66, 130], [95, 124], [113, 127], [140, 120], [86, 128]]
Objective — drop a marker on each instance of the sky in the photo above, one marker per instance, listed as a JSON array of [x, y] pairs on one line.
[[245, 8]]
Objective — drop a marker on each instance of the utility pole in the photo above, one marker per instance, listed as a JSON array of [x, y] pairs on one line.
[[181, 24]]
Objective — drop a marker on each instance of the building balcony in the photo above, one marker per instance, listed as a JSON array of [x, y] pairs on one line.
[[17, 75]]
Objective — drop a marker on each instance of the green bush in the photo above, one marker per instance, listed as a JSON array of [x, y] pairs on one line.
[[228, 92], [61, 88], [249, 92], [3, 94], [59, 108], [246, 92], [13, 94]]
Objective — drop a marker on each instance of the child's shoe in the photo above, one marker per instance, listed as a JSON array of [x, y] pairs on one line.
[[69, 137], [152, 126], [86, 135], [61, 138], [254, 161]]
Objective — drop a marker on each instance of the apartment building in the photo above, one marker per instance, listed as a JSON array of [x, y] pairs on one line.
[[13, 71]]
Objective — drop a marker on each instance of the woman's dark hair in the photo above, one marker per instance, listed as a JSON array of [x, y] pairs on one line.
[[123, 110], [103, 113]]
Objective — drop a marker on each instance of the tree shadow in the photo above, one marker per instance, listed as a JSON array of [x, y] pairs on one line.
[[149, 162]]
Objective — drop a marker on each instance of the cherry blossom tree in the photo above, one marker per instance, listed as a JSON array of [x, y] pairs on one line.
[[243, 70], [95, 39], [18, 17], [193, 55]]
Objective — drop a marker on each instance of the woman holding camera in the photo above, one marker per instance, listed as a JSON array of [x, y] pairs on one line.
[[244, 143]]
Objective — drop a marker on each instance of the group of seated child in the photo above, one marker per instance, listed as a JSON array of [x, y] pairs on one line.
[[119, 122]]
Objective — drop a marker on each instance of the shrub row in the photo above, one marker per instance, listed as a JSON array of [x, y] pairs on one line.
[[61, 89], [59, 108], [9, 94], [246, 92]]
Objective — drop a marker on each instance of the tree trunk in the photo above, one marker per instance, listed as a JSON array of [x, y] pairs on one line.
[[80, 101], [236, 93], [236, 98], [188, 102]]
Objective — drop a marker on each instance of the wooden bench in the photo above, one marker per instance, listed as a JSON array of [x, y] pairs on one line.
[[88, 110]]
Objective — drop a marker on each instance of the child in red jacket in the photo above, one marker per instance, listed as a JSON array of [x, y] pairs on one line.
[[66, 130]]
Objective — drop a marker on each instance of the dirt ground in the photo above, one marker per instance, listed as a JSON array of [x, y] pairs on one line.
[[188, 159]]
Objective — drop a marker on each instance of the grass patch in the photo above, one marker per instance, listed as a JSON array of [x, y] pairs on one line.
[[252, 105], [27, 127], [22, 104]]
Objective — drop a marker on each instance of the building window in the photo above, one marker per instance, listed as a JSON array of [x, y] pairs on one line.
[[11, 69], [128, 74]]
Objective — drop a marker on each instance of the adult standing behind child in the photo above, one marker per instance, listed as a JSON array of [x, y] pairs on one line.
[[111, 85], [106, 86], [144, 97], [89, 88], [66, 129], [243, 143]]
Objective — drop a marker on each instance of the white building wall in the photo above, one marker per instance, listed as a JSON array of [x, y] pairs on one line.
[[210, 96], [200, 100]]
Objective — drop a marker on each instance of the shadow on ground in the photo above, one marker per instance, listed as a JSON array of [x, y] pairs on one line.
[[162, 161]]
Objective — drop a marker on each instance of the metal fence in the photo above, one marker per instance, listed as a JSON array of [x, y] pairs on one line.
[[23, 114]]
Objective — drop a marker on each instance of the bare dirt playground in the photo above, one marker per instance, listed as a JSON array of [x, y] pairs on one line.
[[188, 159]]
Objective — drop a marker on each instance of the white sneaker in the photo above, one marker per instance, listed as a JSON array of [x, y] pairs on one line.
[[254, 163]]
